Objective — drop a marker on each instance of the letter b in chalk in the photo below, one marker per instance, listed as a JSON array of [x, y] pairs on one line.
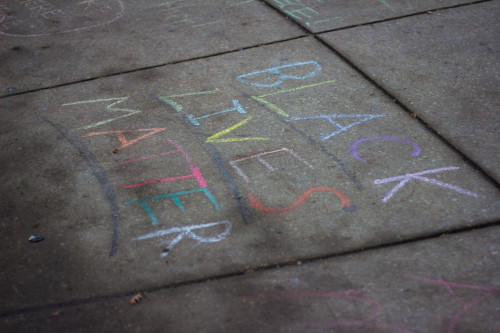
[[275, 76]]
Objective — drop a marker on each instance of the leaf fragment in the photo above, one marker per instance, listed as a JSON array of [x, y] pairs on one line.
[[135, 299]]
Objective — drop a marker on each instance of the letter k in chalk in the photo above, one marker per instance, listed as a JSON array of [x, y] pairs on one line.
[[418, 176]]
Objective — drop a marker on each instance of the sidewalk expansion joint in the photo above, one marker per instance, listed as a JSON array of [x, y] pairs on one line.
[[249, 269], [174, 62], [425, 12]]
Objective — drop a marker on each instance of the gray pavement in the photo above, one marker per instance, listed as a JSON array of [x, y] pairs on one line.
[[250, 166]]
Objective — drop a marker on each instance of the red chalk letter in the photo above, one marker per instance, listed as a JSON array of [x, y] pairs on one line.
[[271, 211]]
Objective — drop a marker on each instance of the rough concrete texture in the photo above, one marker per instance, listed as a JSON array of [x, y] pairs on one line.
[[444, 67], [219, 165], [45, 43], [319, 16], [161, 179], [439, 285]]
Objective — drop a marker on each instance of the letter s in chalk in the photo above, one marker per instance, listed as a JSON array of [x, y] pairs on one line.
[[280, 211]]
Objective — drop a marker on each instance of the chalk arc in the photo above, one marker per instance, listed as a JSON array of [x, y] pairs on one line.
[[354, 152]]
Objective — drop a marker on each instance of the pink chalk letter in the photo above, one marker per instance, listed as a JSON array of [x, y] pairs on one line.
[[486, 292]]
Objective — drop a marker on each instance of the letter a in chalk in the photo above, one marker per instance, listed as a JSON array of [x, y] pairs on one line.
[[121, 136], [215, 138]]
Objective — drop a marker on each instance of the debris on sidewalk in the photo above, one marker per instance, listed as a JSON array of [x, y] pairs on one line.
[[135, 299], [36, 238]]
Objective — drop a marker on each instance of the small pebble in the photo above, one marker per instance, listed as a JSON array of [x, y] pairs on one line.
[[35, 238]]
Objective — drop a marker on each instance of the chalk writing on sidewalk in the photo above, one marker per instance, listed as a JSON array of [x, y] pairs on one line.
[[236, 107], [258, 157], [195, 171], [269, 78], [178, 107], [385, 3], [194, 14], [280, 211], [175, 197], [466, 306], [404, 179], [298, 10], [195, 120], [351, 296], [121, 136], [200, 137], [353, 148], [279, 110], [215, 138], [370, 310], [111, 107], [28, 18], [341, 128], [189, 232]]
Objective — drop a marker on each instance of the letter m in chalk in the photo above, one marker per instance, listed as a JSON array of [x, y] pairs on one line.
[[273, 77]]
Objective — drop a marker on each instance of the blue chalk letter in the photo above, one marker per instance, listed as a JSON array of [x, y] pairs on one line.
[[277, 71]]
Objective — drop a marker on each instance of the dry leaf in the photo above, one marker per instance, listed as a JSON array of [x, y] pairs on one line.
[[414, 116], [135, 299]]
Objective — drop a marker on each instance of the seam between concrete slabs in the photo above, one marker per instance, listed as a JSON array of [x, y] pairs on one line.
[[306, 31], [424, 12], [251, 269], [208, 56]]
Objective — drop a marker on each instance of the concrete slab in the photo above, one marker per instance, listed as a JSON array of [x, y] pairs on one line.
[[448, 284], [320, 16], [444, 67], [209, 167], [45, 43]]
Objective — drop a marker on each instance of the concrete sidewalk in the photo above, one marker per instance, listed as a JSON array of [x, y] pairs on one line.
[[250, 166]]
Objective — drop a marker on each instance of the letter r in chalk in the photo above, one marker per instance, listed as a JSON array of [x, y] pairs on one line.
[[275, 76], [189, 232]]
